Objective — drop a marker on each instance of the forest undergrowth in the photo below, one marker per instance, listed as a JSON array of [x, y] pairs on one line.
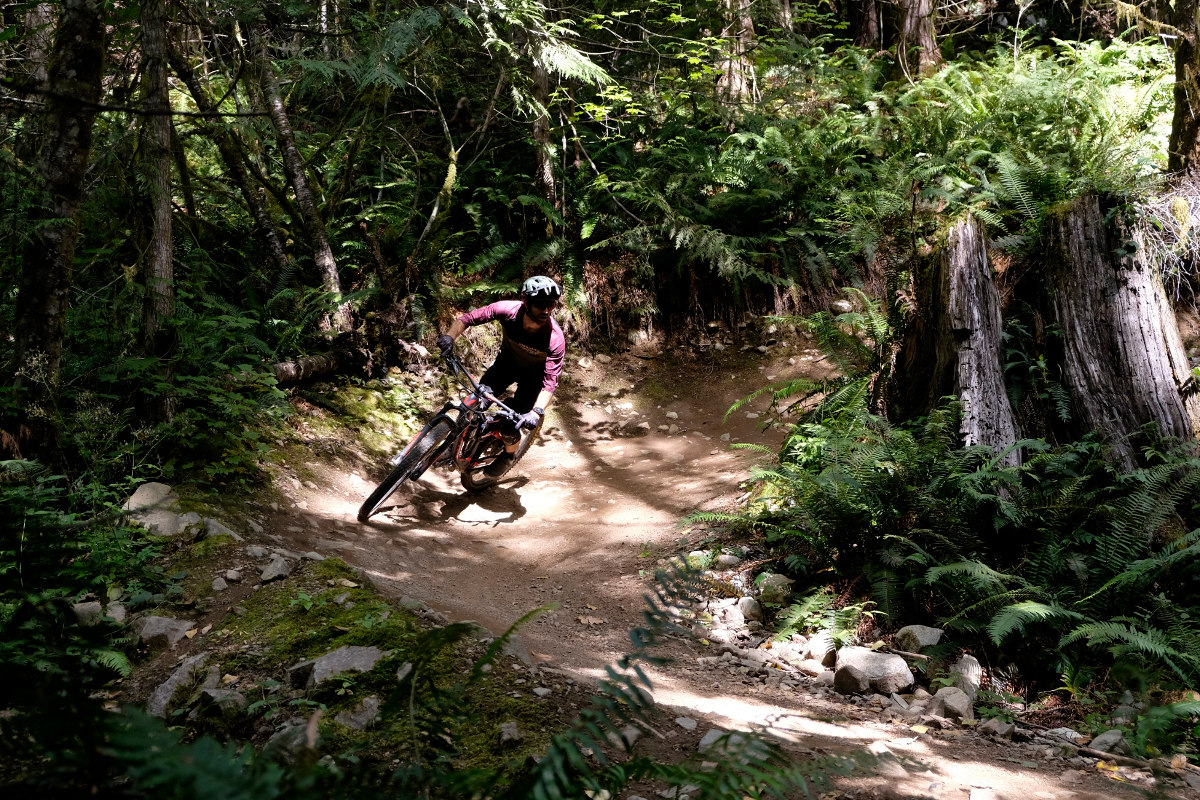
[[1070, 577]]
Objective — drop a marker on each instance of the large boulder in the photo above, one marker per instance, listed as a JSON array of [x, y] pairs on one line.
[[967, 673], [952, 703], [884, 673], [362, 716], [1112, 741], [914, 638], [89, 613], [774, 589], [750, 608], [290, 744], [278, 568], [214, 528], [185, 673], [159, 632], [849, 679], [821, 648], [214, 703], [155, 507]]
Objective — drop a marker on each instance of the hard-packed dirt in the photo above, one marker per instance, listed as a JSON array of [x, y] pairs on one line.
[[581, 524]]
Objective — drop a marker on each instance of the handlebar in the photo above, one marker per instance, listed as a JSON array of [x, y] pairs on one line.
[[459, 371]]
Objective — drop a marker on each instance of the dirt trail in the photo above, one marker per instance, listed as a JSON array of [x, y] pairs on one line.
[[581, 522]]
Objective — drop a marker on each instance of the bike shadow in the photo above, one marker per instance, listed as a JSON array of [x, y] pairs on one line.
[[495, 505]]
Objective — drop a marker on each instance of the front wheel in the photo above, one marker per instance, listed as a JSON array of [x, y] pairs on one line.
[[415, 459]]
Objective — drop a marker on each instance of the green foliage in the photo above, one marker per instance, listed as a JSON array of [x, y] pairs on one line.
[[52, 553], [1166, 729], [1010, 135], [1064, 551], [857, 342], [819, 612]]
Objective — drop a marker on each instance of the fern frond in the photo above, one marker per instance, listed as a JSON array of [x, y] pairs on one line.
[[1015, 617]]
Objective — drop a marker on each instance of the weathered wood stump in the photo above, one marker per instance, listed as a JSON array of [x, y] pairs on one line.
[[1124, 363], [953, 347]]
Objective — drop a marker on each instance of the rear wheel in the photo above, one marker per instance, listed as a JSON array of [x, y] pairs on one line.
[[476, 479], [415, 460]]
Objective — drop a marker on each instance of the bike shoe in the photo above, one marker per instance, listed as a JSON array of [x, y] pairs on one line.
[[500, 466]]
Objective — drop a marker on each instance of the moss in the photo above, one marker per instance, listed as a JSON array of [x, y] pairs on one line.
[[299, 618], [195, 563], [493, 703], [471, 717]]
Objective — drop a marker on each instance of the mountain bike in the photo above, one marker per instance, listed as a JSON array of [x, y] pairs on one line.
[[468, 434]]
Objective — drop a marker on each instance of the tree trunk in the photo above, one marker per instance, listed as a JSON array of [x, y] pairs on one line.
[[735, 83], [293, 166], [952, 346], [74, 75], [303, 369], [976, 326], [1124, 363], [32, 75], [232, 155], [916, 46], [864, 23], [544, 168], [159, 306], [1184, 144]]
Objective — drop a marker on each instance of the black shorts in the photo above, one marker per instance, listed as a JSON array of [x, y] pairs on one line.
[[503, 373]]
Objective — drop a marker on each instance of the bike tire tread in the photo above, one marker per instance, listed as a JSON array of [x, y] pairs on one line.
[[427, 440]]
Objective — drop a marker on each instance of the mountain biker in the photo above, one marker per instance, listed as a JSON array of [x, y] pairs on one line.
[[531, 355]]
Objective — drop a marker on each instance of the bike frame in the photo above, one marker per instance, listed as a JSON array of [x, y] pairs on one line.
[[472, 429]]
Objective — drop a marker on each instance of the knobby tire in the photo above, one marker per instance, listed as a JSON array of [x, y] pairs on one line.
[[429, 438], [474, 480]]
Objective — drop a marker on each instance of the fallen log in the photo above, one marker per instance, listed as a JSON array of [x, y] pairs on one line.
[[303, 369]]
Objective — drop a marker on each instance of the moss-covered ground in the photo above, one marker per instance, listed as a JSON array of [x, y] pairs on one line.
[[432, 682]]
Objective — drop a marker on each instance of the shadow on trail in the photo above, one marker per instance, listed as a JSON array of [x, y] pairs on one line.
[[421, 508]]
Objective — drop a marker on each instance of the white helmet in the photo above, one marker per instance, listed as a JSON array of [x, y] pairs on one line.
[[541, 286]]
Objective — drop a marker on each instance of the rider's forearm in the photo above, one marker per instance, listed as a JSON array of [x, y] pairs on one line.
[[543, 399], [456, 329]]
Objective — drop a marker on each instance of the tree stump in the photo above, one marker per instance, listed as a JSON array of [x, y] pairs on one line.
[[1123, 363], [953, 347]]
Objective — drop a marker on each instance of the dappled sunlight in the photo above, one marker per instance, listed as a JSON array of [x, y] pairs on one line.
[[746, 713]]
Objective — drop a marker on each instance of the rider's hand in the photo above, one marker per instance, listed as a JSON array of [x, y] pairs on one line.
[[445, 343], [530, 419]]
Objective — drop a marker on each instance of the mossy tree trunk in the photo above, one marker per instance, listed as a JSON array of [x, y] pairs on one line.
[[74, 79], [293, 166], [916, 44], [952, 344], [1121, 360], [1123, 363], [233, 155], [1184, 145], [543, 175], [735, 85], [159, 306], [864, 22]]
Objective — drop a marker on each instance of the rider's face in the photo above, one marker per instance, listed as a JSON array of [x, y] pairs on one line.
[[539, 309]]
